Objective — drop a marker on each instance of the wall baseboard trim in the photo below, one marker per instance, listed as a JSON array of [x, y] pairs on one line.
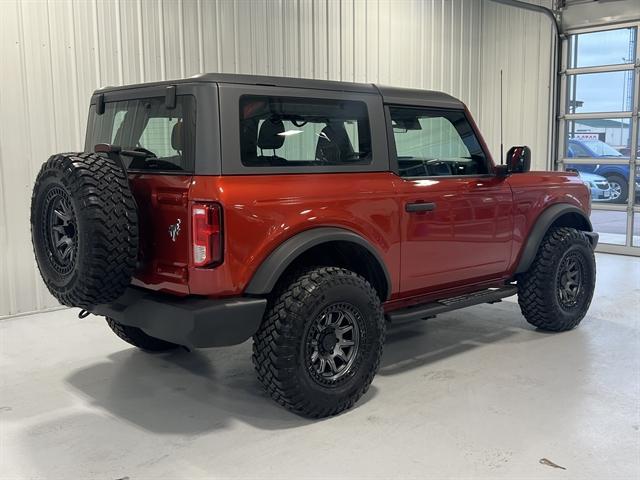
[[33, 312]]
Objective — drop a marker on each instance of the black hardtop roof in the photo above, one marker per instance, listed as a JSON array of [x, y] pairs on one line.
[[395, 95]]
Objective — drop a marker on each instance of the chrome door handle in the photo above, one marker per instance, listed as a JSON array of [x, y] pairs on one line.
[[420, 207]]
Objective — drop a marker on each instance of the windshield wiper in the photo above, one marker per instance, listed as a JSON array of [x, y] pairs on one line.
[[137, 152], [142, 159]]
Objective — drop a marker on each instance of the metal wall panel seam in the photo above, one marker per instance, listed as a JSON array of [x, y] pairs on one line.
[[181, 38], [140, 41], [218, 43], [538, 82], [74, 77], [326, 20], [54, 127], [163, 62], [27, 108], [353, 41], [119, 43], [200, 36], [442, 30], [460, 48], [433, 43], [4, 231], [235, 39], [96, 42]]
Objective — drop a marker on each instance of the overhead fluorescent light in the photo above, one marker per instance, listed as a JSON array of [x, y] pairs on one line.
[[288, 133]]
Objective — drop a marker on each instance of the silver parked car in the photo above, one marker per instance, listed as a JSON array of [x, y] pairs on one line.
[[598, 185]]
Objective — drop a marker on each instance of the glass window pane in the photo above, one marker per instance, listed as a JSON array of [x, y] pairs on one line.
[[637, 185], [636, 230], [598, 138], [610, 47], [167, 134], [611, 225], [600, 92], [435, 143], [609, 183], [286, 131]]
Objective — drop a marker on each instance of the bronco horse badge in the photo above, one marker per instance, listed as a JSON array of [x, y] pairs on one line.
[[174, 230]]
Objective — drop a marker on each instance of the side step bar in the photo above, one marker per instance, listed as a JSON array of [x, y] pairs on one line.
[[419, 312]]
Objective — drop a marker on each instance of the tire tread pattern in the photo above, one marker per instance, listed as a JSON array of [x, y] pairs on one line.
[[100, 186], [535, 287], [275, 343]]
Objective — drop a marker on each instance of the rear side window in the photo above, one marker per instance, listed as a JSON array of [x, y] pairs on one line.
[[285, 131], [146, 125], [436, 143]]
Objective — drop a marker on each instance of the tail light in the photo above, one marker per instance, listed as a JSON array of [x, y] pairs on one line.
[[206, 225]]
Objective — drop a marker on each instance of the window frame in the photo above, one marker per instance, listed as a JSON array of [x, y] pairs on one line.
[[188, 160], [363, 126], [207, 144], [393, 153], [565, 117], [230, 95]]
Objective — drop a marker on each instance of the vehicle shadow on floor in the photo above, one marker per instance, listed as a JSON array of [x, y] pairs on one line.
[[183, 392], [201, 391], [420, 343]]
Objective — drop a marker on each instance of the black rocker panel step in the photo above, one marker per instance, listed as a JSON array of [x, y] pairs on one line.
[[418, 312]]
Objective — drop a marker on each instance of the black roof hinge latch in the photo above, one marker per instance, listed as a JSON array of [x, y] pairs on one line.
[[170, 97], [100, 104]]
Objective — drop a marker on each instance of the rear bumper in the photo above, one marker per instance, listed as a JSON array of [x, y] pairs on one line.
[[194, 322]]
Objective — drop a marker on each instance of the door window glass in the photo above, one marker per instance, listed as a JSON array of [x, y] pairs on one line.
[[436, 143]]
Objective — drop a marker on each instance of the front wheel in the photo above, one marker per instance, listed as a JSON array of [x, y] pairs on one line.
[[619, 189], [556, 291], [320, 342]]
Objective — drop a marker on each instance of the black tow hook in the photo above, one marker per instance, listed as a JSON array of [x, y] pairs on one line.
[[83, 314]]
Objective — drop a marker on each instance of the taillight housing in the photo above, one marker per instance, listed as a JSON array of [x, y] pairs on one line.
[[206, 234]]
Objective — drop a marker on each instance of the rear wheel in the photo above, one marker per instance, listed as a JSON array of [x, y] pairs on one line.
[[138, 338], [320, 343], [555, 293]]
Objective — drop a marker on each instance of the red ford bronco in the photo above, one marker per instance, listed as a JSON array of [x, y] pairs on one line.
[[307, 214]]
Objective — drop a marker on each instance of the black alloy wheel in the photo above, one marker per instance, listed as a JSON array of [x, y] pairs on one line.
[[569, 279], [333, 340], [60, 230]]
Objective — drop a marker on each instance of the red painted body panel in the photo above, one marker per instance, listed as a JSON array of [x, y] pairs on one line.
[[472, 240], [260, 212], [533, 192], [162, 200], [466, 239]]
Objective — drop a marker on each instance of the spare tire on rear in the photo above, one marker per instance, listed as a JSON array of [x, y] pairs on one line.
[[84, 228]]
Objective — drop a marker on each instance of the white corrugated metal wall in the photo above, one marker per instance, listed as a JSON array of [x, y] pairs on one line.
[[55, 53]]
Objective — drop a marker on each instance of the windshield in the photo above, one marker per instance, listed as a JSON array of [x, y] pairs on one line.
[[165, 136], [602, 149]]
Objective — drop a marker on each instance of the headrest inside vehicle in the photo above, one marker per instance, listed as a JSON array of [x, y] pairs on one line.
[[269, 138]]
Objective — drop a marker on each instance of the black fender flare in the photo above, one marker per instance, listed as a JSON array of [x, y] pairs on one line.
[[544, 221], [265, 277]]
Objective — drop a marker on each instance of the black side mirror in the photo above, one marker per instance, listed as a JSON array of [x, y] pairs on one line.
[[519, 159]]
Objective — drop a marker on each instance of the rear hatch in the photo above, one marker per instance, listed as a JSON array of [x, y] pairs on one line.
[[160, 179]]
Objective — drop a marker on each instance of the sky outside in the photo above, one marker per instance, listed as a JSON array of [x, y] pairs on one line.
[[603, 92]]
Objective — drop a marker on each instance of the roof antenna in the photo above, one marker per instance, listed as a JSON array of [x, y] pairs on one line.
[[501, 144]]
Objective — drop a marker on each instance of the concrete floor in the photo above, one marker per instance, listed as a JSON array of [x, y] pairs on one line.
[[474, 393]]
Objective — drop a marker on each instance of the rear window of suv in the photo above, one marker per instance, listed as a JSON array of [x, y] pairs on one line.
[[286, 131], [147, 125]]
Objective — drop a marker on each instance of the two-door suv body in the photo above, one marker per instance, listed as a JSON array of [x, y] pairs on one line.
[[304, 213]]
